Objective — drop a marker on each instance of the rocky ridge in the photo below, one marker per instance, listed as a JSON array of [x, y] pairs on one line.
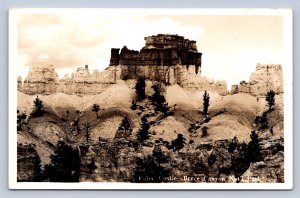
[[266, 77]]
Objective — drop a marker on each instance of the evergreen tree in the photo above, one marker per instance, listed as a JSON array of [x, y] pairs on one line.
[[159, 100], [140, 89], [270, 98], [264, 121], [233, 144], [254, 149], [38, 106], [143, 133], [64, 165], [150, 170], [206, 98], [95, 109], [124, 129], [37, 173], [88, 133], [178, 143]]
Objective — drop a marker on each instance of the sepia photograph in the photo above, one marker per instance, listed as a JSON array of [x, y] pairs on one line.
[[150, 99]]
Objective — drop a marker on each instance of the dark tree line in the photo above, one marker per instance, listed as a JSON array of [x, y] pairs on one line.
[[64, 165], [150, 169]]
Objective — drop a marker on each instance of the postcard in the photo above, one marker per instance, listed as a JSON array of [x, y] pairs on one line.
[[150, 99]]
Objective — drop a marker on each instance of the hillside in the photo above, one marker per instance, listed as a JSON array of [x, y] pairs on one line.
[[229, 116]]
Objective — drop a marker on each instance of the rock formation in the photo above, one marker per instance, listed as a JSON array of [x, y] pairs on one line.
[[83, 82], [44, 80], [266, 77], [163, 58], [41, 79], [170, 59], [160, 50]]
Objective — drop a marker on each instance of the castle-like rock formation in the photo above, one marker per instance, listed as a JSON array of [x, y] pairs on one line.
[[266, 77], [159, 50], [170, 59]]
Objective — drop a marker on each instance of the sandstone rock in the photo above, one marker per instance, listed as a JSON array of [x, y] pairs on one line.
[[41, 79], [160, 50], [266, 77]]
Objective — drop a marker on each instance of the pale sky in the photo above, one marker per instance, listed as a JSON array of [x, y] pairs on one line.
[[231, 45]]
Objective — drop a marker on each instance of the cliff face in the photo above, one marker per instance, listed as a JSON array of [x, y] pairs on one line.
[[40, 79], [159, 50], [84, 82], [44, 80], [266, 77]]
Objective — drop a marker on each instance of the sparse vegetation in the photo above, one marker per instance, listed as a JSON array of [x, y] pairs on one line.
[[193, 128], [96, 109]]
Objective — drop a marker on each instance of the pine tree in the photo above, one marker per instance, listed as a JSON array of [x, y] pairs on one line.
[[95, 109], [124, 129], [37, 172], [38, 106], [140, 89], [264, 121], [206, 98], [64, 165], [150, 170], [233, 145], [87, 133], [254, 149], [159, 100], [143, 133], [178, 143], [270, 98]]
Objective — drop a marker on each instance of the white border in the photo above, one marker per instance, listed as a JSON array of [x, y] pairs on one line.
[[288, 100]]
